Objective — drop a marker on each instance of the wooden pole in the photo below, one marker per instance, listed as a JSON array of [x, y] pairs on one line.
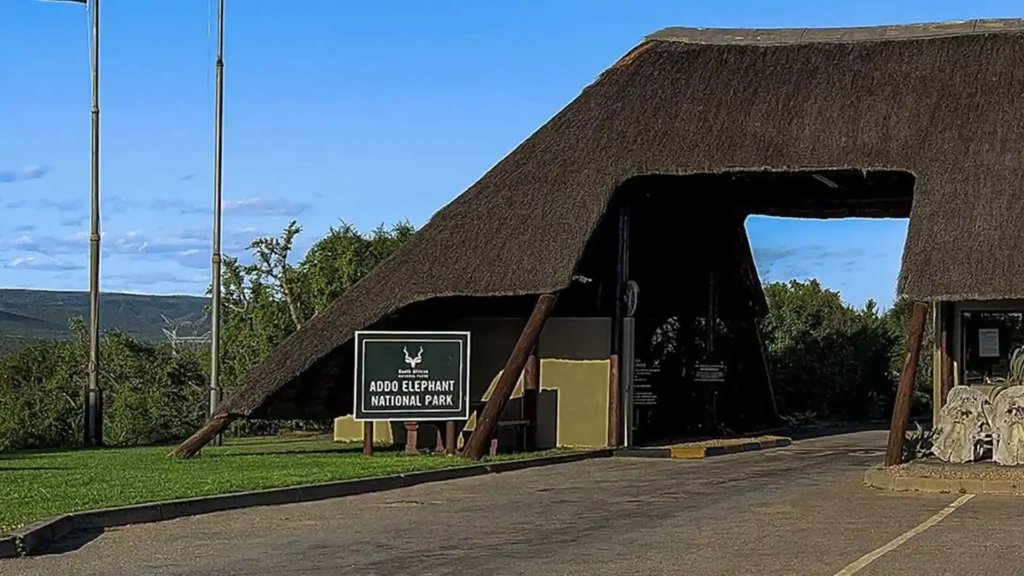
[[618, 312], [487, 421], [531, 397], [368, 438], [946, 349], [614, 403], [905, 391], [202, 437], [449, 438]]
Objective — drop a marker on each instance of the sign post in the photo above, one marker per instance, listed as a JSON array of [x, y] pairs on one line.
[[411, 377]]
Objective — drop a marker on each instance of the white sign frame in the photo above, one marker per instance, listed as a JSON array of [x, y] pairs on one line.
[[410, 336]]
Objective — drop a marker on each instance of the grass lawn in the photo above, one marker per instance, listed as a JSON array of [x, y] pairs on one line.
[[37, 485]]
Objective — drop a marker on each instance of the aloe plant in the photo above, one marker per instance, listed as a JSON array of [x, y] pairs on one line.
[[1016, 375], [917, 444]]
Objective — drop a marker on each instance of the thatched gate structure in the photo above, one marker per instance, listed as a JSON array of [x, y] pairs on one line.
[[918, 120]]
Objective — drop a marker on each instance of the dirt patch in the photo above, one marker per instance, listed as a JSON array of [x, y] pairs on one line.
[[974, 471]]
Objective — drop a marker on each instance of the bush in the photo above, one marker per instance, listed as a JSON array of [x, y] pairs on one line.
[[41, 396], [841, 362], [151, 394]]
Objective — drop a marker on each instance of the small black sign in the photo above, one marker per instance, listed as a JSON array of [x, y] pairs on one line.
[[709, 373], [412, 376], [644, 376]]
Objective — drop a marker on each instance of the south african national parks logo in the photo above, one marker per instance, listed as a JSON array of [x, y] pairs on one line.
[[412, 362]]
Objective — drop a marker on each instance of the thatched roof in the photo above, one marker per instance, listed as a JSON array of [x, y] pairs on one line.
[[942, 102]]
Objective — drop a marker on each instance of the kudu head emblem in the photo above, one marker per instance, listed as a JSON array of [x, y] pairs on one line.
[[412, 362]]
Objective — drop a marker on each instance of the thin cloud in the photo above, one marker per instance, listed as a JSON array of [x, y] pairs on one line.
[[43, 263], [798, 261], [195, 259], [771, 255], [767, 256], [262, 207], [794, 271], [155, 277], [69, 205], [49, 205], [76, 221], [188, 177], [24, 228], [27, 172], [188, 246], [245, 207]]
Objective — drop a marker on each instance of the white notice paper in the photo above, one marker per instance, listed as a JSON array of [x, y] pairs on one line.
[[988, 342]]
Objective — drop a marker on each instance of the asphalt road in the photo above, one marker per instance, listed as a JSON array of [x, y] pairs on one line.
[[788, 511]]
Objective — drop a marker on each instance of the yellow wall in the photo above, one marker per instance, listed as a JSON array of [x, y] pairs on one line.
[[581, 415], [346, 429], [572, 409]]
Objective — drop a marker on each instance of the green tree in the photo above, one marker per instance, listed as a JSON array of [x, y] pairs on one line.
[[896, 319], [268, 299], [829, 358], [41, 395]]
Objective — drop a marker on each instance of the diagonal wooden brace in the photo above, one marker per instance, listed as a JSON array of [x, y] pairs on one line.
[[487, 421], [905, 391]]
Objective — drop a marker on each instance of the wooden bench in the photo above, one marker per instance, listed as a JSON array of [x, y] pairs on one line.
[[520, 429]]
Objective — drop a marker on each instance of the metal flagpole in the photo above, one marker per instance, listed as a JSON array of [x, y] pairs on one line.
[[94, 399], [215, 391], [94, 417]]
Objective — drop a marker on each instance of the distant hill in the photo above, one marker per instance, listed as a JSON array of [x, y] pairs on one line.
[[33, 314]]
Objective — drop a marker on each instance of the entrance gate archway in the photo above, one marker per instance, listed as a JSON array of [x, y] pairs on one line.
[[690, 358]]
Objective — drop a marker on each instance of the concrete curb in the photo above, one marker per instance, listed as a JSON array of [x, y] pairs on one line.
[[8, 547], [699, 452], [878, 478], [35, 537]]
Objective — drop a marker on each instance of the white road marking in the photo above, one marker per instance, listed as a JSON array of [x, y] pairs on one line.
[[825, 453], [876, 554]]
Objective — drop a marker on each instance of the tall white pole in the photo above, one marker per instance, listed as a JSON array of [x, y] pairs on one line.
[[94, 405], [215, 391]]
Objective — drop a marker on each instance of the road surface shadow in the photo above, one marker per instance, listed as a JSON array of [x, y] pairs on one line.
[[70, 542]]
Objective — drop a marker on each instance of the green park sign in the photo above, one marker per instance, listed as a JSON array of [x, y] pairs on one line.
[[411, 376]]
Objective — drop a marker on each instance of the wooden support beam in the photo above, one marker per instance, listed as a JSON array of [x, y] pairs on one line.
[[367, 438], [203, 436], [487, 421], [531, 399], [449, 438], [905, 390], [946, 348], [614, 403], [618, 313]]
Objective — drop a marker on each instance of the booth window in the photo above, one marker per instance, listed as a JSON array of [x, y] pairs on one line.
[[989, 337]]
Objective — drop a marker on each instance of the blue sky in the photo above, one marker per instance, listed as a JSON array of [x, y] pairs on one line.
[[369, 112]]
